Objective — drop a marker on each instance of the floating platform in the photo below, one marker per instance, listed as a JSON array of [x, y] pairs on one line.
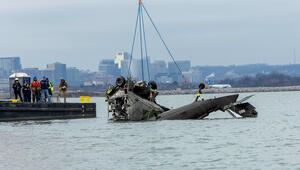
[[45, 111]]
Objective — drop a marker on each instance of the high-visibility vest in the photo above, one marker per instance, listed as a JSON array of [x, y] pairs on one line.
[[198, 93], [35, 86], [51, 88]]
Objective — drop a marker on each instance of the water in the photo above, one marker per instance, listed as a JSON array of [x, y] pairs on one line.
[[271, 141]]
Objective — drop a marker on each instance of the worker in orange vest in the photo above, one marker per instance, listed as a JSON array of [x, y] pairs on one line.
[[35, 88]]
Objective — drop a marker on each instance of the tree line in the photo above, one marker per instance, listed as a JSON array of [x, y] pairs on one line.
[[273, 79]]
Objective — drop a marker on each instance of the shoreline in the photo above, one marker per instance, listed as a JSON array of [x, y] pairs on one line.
[[188, 91], [232, 90]]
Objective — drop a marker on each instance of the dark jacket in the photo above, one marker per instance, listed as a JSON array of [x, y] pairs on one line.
[[17, 87], [26, 89], [44, 84]]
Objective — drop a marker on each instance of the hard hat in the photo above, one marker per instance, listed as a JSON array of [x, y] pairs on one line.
[[16, 79]]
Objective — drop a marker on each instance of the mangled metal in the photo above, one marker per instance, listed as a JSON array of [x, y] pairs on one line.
[[129, 104]]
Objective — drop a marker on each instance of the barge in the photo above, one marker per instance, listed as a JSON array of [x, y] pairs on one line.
[[45, 111]]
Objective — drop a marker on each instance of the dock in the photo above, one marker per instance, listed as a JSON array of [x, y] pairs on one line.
[[45, 111]]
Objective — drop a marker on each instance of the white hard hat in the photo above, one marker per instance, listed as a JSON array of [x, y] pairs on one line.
[[16, 78]]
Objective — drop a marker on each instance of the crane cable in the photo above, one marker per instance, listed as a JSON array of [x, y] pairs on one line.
[[133, 43], [141, 41], [163, 41], [145, 43], [140, 22]]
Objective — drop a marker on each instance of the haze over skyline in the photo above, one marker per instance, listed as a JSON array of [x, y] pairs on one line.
[[81, 33]]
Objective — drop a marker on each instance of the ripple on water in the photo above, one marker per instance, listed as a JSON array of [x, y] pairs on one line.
[[270, 141]]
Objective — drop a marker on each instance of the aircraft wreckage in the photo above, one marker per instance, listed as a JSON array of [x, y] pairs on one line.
[[135, 104], [135, 101]]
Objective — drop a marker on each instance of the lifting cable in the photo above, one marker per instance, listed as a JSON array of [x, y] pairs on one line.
[[143, 44], [163, 41], [133, 43], [141, 41]]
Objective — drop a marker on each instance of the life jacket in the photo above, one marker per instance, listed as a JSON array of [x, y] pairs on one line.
[[26, 87], [51, 88], [35, 86], [198, 94]]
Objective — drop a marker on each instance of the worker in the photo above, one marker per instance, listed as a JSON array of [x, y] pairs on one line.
[[35, 88], [44, 90], [17, 89], [26, 92], [199, 92], [62, 87], [141, 89], [153, 91], [50, 90]]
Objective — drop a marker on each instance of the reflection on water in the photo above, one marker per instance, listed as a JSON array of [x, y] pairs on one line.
[[271, 141]]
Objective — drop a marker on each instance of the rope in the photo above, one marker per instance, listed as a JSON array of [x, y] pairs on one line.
[[141, 41], [156, 29], [145, 43], [133, 43], [140, 22]]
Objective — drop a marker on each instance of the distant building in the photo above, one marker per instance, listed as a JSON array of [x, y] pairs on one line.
[[187, 77], [33, 72], [49, 74], [138, 69], [184, 65], [143, 69], [4, 85], [124, 68], [73, 76], [120, 57], [197, 76], [39, 74], [174, 73], [135, 69], [210, 79], [9, 65], [58, 70], [158, 68], [163, 78], [108, 67]]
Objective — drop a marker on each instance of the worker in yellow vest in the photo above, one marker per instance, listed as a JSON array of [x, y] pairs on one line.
[[198, 94], [50, 90]]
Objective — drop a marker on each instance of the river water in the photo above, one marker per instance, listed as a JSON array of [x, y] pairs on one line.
[[270, 141]]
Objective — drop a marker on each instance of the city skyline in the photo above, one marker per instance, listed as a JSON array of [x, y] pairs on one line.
[[162, 72], [205, 32]]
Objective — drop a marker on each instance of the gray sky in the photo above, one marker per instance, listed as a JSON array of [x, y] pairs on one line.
[[208, 32]]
